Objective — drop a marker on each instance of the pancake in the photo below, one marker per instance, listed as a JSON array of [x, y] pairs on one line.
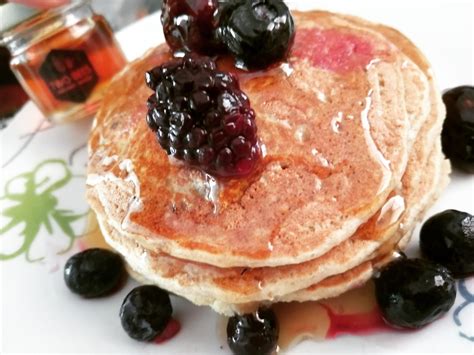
[[340, 175], [418, 58], [425, 187], [205, 284], [427, 191], [434, 182], [235, 280], [340, 283], [183, 277], [229, 290]]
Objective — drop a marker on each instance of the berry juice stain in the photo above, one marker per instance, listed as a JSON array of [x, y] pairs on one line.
[[172, 328], [355, 312], [332, 49]]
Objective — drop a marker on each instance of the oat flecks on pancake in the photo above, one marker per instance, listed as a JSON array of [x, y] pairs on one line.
[[272, 238], [316, 185]]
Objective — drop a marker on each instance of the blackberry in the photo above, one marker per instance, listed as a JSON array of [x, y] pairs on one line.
[[257, 32], [145, 312], [201, 116], [189, 25], [458, 128], [413, 292], [94, 272], [251, 334], [448, 238]]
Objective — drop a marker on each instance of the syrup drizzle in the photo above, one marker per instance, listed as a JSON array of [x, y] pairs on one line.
[[212, 192], [384, 163], [391, 211], [135, 203], [287, 69], [372, 63], [321, 159], [109, 160], [321, 96], [336, 122]]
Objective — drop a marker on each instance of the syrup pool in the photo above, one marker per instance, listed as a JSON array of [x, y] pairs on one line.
[[352, 313], [92, 236], [355, 312]]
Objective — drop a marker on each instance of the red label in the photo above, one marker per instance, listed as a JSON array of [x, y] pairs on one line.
[[69, 75]]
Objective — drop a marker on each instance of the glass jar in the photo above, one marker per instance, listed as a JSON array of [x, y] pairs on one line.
[[12, 95], [64, 58]]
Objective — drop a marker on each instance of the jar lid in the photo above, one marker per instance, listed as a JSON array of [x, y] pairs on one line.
[[13, 14]]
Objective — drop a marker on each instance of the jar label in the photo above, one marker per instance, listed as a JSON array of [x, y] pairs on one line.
[[68, 74]]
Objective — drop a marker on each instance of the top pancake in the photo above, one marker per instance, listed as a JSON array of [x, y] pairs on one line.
[[335, 145]]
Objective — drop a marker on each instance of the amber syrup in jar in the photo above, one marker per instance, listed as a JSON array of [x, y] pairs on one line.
[[64, 58], [12, 95]]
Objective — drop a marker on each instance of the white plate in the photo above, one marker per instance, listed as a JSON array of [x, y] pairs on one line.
[[38, 314]]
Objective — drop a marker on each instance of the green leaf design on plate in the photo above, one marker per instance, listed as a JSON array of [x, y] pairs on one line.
[[36, 206]]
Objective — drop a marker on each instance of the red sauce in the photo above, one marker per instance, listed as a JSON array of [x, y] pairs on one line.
[[355, 312], [333, 49], [357, 324], [170, 331]]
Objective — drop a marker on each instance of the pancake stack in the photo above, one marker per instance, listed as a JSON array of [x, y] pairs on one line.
[[349, 130]]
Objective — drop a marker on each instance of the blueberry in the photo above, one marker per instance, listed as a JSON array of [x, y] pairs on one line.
[[458, 129], [94, 272], [448, 239], [257, 32], [145, 312], [253, 333], [413, 292]]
